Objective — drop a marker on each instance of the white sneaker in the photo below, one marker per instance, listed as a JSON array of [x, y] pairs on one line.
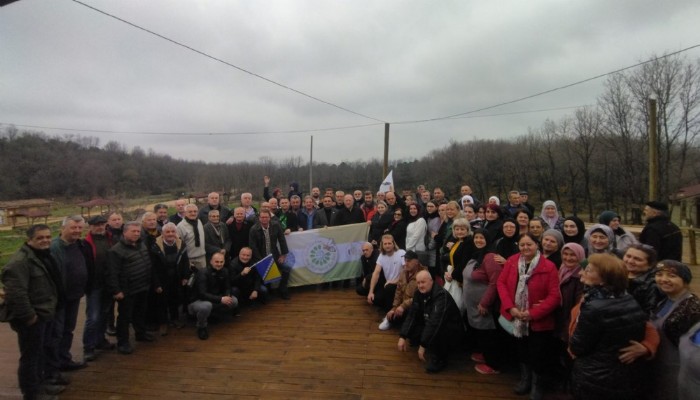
[[385, 325]]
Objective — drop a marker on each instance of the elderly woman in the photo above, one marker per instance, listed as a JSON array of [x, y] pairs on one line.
[[507, 244], [601, 239], [550, 215], [529, 291], [552, 242], [639, 260], [458, 250], [479, 295], [622, 238], [673, 317], [604, 323]]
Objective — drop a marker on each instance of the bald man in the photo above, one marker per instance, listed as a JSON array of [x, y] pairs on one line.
[[433, 322]]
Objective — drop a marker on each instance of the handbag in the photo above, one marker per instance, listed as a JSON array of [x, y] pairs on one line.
[[454, 290]]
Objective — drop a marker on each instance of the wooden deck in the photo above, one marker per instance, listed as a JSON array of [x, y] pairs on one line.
[[319, 345]]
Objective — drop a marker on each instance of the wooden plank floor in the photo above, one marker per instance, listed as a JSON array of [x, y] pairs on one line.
[[319, 345]]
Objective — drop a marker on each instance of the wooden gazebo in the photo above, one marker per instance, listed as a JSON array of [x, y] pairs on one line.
[[96, 202]]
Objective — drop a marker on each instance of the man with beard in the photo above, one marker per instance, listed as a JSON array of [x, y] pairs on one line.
[[367, 206]]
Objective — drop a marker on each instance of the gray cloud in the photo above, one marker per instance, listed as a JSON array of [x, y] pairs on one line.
[[64, 65]]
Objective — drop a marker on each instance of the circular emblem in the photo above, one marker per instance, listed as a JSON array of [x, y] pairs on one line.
[[321, 256], [290, 261]]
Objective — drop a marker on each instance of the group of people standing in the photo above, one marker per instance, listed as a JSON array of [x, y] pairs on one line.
[[588, 312]]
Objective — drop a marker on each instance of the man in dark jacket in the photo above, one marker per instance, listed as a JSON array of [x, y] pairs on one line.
[[76, 263], [32, 289], [96, 303], [433, 322], [212, 293], [267, 238], [369, 262], [246, 283], [350, 213], [213, 203], [128, 280], [325, 216], [239, 230], [660, 233]]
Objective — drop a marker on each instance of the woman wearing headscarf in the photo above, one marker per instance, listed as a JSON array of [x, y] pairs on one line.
[[601, 239], [552, 242], [673, 317], [550, 215], [479, 294], [494, 222], [573, 230], [494, 200], [507, 244], [529, 291], [623, 239], [416, 229], [573, 258]]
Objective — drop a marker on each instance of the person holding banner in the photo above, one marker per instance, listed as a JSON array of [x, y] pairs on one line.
[[267, 238], [246, 283], [390, 262]]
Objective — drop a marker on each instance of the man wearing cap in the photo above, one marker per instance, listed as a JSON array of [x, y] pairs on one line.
[[95, 313], [660, 233], [405, 288], [524, 197]]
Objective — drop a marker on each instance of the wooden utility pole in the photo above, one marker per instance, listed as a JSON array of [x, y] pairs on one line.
[[311, 165], [386, 150], [653, 152]]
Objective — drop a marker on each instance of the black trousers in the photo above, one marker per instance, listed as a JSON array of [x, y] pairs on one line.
[[32, 341], [132, 311]]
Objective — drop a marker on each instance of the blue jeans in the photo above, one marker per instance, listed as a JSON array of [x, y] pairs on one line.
[[64, 325], [95, 323]]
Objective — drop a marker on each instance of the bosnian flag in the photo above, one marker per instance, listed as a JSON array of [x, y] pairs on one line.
[[267, 269], [388, 183]]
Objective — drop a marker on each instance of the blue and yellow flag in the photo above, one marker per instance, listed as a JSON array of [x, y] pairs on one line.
[[267, 269]]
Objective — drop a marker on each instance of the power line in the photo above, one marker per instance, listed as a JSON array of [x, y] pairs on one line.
[[337, 128], [549, 90], [227, 63]]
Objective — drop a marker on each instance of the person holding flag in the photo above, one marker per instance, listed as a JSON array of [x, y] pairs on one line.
[[266, 239]]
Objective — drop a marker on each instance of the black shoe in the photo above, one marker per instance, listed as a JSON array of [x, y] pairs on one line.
[[145, 337], [125, 349], [59, 380], [285, 295], [72, 366], [435, 365], [53, 389], [89, 355], [106, 345], [203, 333]]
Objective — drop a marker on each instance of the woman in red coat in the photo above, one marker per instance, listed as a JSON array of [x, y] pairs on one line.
[[529, 292]]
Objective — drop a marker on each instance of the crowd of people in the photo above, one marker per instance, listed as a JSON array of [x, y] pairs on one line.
[[586, 312], [584, 307]]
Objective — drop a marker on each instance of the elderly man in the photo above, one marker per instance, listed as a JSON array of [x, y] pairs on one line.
[[433, 322], [76, 263], [267, 238], [307, 214], [97, 301], [171, 269], [369, 261], [439, 195], [32, 285], [212, 294], [149, 229], [405, 288], [239, 230], [191, 231], [216, 237], [213, 203], [339, 199], [350, 213], [129, 280], [247, 203], [246, 283], [180, 214], [660, 233]]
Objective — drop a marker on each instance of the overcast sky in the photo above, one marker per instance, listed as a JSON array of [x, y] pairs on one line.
[[63, 65]]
